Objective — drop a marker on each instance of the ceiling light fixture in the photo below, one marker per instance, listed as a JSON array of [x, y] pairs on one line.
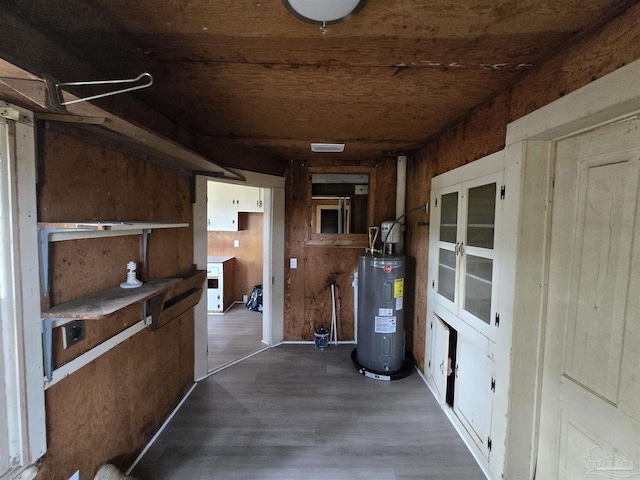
[[327, 147], [324, 12]]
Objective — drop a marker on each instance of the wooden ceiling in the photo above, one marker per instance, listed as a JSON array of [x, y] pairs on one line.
[[383, 82]]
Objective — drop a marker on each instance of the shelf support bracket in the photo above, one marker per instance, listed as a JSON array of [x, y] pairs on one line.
[[145, 244], [47, 340], [43, 247]]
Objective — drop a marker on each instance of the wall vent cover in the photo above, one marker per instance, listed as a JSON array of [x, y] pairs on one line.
[[327, 147]]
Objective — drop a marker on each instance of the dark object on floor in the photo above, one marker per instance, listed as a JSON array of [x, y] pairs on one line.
[[109, 472], [404, 371], [255, 300], [321, 336]]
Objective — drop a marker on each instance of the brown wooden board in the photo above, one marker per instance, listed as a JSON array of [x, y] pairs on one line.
[[119, 400], [106, 302]]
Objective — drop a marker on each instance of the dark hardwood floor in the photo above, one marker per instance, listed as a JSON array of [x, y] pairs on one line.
[[294, 412], [233, 335]]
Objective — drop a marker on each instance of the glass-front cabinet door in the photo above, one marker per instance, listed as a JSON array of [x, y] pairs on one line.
[[467, 242], [449, 207]]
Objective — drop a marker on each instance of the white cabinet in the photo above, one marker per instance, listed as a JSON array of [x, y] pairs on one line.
[[474, 389], [225, 201], [248, 199], [215, 284], [465, 247], [220, 283]]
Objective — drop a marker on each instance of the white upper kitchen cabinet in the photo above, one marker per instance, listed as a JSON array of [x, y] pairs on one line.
[[226, 200]]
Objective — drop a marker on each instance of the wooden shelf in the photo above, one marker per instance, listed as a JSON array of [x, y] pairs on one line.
[[59, 231], [101, 304], [164, 299], [109, 225], [177, 299]]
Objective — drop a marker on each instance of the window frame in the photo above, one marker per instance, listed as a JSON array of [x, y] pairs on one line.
[[21, 350], [349, 240]]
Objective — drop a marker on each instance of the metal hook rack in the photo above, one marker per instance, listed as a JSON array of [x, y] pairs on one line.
[[55, 92]]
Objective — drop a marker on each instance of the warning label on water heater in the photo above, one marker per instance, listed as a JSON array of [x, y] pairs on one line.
[[385, 324], [398, 287]]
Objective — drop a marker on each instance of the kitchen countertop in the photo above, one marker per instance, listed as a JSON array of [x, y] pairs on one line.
[[218, 259]]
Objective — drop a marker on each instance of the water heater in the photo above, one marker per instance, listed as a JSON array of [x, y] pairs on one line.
[[380, 351]]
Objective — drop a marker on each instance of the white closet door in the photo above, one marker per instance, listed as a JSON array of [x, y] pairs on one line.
[[440, 357], [590, 412], [473, 402]]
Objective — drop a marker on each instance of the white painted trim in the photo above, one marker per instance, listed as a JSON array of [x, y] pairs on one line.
[[160, 430], [493, 163], [613, 96], [28, 328], [201, 337], [606, 100], [273, 331], [268, 280], [24, 473], [97, 351], [30, 282]]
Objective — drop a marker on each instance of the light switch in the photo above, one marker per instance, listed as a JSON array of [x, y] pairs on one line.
[[236, 243], [293, 263]]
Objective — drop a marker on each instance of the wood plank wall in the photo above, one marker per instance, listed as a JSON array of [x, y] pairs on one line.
[[249, 258], [108, 410], [483, 131], [307, 290]]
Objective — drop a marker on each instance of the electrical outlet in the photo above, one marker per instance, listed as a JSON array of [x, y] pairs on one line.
[[73, 333], [293, 263], [236, 243]]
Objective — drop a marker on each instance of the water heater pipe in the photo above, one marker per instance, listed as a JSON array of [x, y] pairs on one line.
[[401, 197]]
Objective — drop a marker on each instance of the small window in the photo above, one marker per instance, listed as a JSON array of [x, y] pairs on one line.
[[341, 206]]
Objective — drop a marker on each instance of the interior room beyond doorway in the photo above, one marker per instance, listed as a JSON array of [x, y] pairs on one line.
[[235, 237]]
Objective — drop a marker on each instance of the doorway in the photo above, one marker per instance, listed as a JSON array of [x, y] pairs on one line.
[[590, 418], [235, 265], [268, 329], [272, 267]]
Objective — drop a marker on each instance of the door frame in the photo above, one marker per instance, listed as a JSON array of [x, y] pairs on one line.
[[606, 100], [273, 264], [21, 352]]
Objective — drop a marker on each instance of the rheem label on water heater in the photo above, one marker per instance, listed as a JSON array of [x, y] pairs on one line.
[[385, 325]]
